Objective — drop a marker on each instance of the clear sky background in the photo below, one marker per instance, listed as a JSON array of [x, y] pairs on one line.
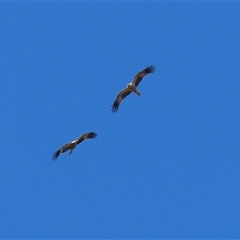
[[167, 165]]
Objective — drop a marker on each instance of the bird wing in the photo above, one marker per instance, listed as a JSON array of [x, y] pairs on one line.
[[121, 95], [86, 136], [139, 76], [63, 149]]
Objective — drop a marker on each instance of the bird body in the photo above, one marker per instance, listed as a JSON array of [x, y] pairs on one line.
[[70, 146], [132, 87]]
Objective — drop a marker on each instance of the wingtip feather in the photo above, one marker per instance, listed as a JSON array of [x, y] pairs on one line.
[[92, 135], [114, 109], [55, 155], [151, 68]]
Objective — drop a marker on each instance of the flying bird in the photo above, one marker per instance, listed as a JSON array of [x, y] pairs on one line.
[[73, 144], [132, 87]]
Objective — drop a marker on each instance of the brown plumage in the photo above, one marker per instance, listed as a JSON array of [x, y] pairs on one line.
[[73, 144], [132, 87]]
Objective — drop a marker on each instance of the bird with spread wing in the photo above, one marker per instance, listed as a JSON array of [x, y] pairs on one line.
[[73, 144], [132, 87]]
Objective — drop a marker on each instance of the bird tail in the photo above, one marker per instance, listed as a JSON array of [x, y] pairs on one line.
[[138, 93]]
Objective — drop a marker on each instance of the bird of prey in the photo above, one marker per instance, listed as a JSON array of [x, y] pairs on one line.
[[73, 144], [132, 87]]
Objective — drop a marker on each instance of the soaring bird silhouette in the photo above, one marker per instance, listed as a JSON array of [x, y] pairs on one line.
[[73, 144], [132, 87]]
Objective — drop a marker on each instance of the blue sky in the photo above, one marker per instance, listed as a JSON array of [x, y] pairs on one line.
[[165, 166]]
